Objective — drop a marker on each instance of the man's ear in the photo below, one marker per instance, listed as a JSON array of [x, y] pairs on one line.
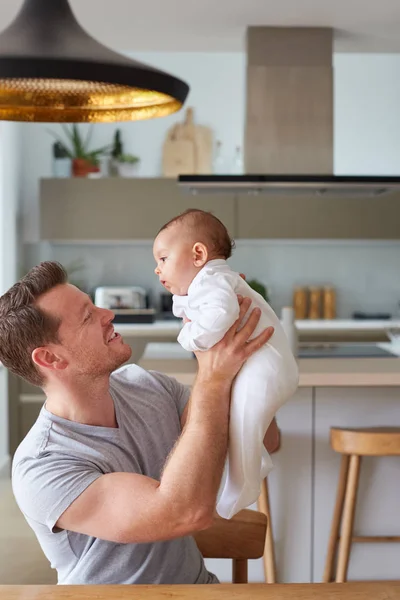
[[47, 359], [200, 254]]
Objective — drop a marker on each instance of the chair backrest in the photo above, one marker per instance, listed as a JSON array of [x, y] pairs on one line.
[[240, 539]]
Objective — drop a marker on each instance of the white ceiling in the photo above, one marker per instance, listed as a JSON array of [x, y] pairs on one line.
[[220, 25]]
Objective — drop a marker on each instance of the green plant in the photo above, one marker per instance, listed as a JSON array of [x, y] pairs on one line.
[[59, 151], [259, 287], [78, 146], [118, 151], [128, 158], [118, 147]]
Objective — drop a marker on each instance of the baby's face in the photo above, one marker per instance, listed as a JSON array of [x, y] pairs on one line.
[[173, 254]]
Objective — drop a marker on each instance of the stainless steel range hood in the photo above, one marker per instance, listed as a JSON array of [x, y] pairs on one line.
[[319, 185], [289, 125]]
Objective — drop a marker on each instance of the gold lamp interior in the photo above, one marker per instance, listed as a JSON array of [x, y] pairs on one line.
[[68, 101]]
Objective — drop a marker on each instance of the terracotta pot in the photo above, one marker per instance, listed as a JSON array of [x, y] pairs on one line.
[[82, 167]]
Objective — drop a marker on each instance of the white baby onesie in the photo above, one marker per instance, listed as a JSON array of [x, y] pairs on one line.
[[267, 379]]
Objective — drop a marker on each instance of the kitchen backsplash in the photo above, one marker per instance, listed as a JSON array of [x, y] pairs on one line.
[[365, 274]]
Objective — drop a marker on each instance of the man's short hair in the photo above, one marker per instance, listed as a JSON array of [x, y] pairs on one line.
[[23, 326]]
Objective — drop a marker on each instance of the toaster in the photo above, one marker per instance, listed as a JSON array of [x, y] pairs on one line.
[[128, 303]]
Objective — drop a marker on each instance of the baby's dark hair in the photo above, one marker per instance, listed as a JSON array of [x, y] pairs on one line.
[[207, 228]]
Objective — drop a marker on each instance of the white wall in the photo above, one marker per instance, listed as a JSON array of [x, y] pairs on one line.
[[367, 114], [9, 201]]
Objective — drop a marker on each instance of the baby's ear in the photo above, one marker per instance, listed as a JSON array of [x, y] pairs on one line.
[[200, 254]]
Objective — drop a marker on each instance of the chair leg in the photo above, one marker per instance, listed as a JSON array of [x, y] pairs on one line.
[[336, 520], [239, 571], [348, 519], [269, 552]]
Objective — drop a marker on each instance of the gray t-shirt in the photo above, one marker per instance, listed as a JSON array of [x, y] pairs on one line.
[[59, 459]]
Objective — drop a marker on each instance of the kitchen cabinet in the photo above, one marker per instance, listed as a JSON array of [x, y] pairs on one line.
[[274, 216], [127, 209], [377, 511], [118, 208]]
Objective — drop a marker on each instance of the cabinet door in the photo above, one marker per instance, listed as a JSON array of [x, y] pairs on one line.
[[118, 208], [318, 217], [290, 487], [377, 509]]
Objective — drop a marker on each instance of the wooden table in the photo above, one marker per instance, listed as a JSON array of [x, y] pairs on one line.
[[331, 591]]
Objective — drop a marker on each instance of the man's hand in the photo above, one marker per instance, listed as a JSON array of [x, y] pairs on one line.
[[224, 360]]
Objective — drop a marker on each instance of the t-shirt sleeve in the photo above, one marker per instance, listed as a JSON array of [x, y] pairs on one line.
[[45, 486], [179, 393]]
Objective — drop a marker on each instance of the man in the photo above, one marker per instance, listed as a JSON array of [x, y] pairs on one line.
[[119, 469]]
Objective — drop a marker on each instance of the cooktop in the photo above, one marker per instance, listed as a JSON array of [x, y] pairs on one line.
[[349, 350]]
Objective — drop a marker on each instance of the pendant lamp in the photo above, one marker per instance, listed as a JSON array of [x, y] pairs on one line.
[[51, 70]]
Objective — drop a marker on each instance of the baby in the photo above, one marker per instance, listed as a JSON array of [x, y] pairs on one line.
[[191, 253]]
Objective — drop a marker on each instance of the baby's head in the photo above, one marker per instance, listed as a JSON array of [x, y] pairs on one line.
[[185, 244]]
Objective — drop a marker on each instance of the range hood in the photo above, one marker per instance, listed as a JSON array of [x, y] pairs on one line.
[[320, 185], [288, 138]]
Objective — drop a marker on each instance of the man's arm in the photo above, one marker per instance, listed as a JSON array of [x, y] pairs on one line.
[[272, 439], [127, 508]]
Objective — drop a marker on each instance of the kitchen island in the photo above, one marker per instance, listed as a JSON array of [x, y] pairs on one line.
[[138, 335], [332, 392]]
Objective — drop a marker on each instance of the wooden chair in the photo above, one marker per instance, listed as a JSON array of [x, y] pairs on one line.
[[269, 550], [264, 507], [240, 539], [353, 444]]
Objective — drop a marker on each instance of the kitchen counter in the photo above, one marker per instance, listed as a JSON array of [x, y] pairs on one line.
[[319, 372], [164, 329], [138, 335], [342, 591], [173, 326]]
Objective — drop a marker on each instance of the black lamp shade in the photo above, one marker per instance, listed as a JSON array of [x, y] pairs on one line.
[[52, 70]]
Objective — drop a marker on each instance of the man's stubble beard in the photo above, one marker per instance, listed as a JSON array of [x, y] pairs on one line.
[[104, 367]]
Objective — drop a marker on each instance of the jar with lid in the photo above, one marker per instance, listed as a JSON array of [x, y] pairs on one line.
[[329, 303], [314, 306], [300, 302]]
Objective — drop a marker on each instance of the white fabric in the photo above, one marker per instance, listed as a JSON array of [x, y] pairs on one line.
[[267, 379]]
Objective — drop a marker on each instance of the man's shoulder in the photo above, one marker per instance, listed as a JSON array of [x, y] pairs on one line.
[[35, 441], [32, 447], [132, 376]]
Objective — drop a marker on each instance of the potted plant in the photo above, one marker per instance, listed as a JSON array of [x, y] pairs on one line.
[[84, 161], [125, 165], [117, 150]]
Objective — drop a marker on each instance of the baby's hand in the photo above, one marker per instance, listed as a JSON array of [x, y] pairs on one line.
[[185, 320]]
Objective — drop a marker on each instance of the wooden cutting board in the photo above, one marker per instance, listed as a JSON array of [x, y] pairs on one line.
[[188, 148]]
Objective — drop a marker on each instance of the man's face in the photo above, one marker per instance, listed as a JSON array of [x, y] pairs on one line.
[[87, 341]]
